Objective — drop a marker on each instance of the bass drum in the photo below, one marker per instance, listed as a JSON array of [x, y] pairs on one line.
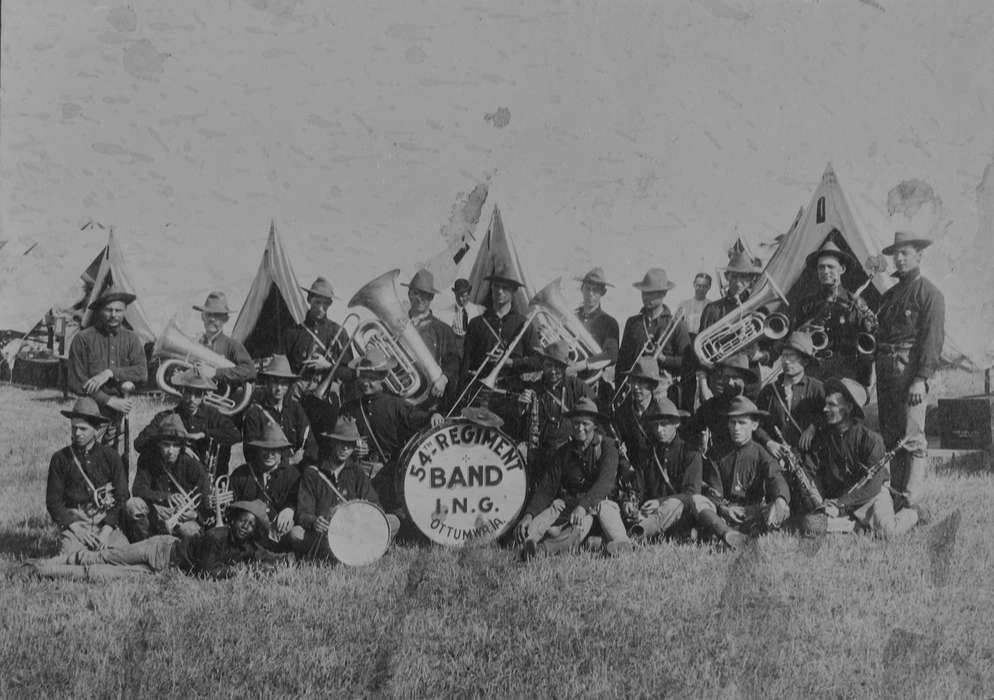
[[462, 483], [358, 533]]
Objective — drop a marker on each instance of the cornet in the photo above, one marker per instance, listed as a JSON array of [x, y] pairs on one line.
[[189, 505]]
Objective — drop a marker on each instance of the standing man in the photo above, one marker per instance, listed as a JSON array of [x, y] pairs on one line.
[[438, 336], [106, 356], [87, 485], [312, 347], [652, 322], [274, 406], [459, 314], [602, 327], [836, 312], [740, 274], [203, 422], [694, 307], [214, 314], [909, 345]]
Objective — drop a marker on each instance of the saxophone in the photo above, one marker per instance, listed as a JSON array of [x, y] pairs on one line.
[[809, 495]]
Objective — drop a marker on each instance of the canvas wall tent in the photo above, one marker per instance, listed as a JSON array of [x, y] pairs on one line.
[[274, 304], [497, 250], [111, 270]]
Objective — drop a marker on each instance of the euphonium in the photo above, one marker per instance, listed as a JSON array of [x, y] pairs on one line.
[[743, 326], [558, 322], [181, 353], [415, 369]]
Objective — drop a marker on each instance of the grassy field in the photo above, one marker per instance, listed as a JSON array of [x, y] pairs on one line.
[[836, 617]]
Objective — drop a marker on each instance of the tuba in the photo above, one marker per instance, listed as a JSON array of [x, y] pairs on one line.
[[177, 352], [743, 326], [415, 370], [558, 322]]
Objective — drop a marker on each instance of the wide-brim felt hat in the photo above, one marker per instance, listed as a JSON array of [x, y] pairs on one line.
[[740, 363], [87, 409], [504, 274], [596, 277], [584, 408], [171, 428], [423, 281], [345, 430], [256, 508], [193, 379], [279, 367], [743, 406], [645, 369], [665, 410], [903, 238], [740, 262], [482, 416], [829, 248], [321, 288], [557, 352], [373, 362], [216, 303], [851, 389], [110, 294], [273, 438], [655, 280], [801, 342]]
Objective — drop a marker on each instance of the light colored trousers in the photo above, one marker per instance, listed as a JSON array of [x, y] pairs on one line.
[[878, 517], [144, 519], [898, 419], [70, 541], [149, 556], [607, 512]]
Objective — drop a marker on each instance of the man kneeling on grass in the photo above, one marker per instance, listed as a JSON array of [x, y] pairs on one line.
[[213, 554], [745, 489], [575, 487]]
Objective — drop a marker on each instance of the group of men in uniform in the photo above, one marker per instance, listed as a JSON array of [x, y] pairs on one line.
[[672, 447]]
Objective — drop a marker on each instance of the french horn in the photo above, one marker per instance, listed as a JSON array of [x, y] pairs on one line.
[[415, 369], [177, 352]]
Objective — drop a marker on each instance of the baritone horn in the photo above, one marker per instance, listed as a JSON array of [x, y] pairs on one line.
[[743, 326], [177, 352], [415, 370], [557, 322]]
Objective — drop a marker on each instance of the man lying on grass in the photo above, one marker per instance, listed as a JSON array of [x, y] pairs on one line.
[[212, 554]]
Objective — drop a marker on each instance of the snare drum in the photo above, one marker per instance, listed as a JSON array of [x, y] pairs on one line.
[[462, 483], [358, 533]]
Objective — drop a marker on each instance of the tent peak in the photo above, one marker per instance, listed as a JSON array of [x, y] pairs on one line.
[[829, 174]]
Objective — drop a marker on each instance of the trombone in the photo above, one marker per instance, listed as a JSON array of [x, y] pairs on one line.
[[653, 347], [321, 390]]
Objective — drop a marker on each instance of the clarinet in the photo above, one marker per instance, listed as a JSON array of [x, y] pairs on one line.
[[871, 472], [810, 496]]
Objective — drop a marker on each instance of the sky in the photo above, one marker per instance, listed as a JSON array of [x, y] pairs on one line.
[[619, 134]]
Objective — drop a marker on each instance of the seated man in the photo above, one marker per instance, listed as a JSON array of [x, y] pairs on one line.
[[745, 490], [844, 451], [577, 483], [171, 493], [214, 554], [87, 484], [669, 475], [203, 422], [267, 478], [793, 400], [274, 406], [641, 400], [336, 474]]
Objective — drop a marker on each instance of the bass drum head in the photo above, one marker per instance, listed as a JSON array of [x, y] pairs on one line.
[[463, 483], [358, 533]]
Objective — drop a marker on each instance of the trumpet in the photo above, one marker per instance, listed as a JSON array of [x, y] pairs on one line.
[[744, 325], [178, 352]]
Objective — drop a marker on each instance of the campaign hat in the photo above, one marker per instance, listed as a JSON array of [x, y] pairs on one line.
[[256, 508], [321, 288], [345, 430], [504, 274], [193, 379], [655, 280], [594, 277], [665, 410], [584, 408], [743, 406], [423, 281], [279, 367], [273, 438], [741, 263], [462, 286], [373, 362], [216, 303], [801, 342], [851, 389], [829, 248], [557, 352], [903, 238], [646, 369], [171, 428], [112, 293], [740, 363], [87, 409]]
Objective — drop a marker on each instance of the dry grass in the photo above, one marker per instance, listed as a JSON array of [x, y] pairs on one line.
[[838, 617]]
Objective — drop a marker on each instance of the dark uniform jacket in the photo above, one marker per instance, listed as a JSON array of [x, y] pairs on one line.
[[291, 419], [580, 477], [604, 329], [393, 421], [840, 315], [711, 415], [299, 344], [153, 485], [670, 470], [842, 460], [717, 309], [216, 554], [628, 421], [316, 499], [443, 345], [67, 488], [277, 488], [639, 328], [207, 420], [912, 315], [231, 349], [806, 403], [481, 338], [553, 402], [95, 349], [746, 475]]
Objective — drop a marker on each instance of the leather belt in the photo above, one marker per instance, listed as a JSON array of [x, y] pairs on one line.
[[892, 349]]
